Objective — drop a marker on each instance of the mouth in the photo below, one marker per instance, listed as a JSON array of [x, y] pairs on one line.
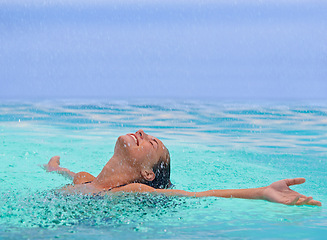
[[135, 138]]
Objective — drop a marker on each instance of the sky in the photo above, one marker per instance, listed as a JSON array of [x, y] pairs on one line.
[[163, 49]]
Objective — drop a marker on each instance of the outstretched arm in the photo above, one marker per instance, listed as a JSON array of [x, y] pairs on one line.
[[281, 193], [78, 178], [276, 192]]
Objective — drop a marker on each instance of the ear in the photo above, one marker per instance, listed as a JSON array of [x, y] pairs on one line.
[[148, 175]]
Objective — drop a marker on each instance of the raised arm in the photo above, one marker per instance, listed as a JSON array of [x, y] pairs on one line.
[[276, 192], [78, 178]]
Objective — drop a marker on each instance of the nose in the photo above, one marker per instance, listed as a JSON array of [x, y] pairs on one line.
[[142, 134]]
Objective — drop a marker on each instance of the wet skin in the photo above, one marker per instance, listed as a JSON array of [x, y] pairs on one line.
[[139, 150], [132, 163], [135, 154]]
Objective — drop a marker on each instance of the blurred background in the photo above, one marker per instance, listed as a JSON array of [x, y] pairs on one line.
[[163, 49]]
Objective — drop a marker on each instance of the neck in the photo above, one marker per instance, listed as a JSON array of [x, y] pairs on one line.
[[115, 174]]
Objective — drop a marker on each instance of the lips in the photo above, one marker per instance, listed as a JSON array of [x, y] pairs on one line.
[[135, 138]]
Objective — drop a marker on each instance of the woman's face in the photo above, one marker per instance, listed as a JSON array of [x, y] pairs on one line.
[[140, 149]]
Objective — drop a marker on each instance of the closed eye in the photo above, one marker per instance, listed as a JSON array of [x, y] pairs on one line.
[[153, 144], [157, 144]]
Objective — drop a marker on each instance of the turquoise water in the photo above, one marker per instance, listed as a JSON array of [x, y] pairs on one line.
[[212, 145]]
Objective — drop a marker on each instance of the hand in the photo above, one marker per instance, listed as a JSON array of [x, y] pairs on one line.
[[53, 164], [281, 193]]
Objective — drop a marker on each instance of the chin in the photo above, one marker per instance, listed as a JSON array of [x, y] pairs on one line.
[[122, 144]]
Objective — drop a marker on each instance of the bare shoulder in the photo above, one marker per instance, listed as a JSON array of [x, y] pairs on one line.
[[134, 187], [84, 189]]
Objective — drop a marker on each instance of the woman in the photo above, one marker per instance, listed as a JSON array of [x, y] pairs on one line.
[[141, 163]]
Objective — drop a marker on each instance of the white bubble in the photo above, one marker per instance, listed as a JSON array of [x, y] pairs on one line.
[[129, 144]]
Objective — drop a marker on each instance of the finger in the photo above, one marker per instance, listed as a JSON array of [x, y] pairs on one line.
[[314, 203], [294, 181], [295, 200], [304, 201]]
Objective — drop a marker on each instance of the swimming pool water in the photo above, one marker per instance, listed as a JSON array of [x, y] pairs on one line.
[[212, 145]]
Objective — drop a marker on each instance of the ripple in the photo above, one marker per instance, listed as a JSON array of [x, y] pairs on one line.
[[212, 144]]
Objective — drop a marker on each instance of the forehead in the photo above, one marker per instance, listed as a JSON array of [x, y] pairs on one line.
[[162, 148]]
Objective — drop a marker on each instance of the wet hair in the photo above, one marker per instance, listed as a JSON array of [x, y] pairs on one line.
[[162, 173]]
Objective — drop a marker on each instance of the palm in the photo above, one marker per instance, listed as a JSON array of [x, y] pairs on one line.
[[281, 193]]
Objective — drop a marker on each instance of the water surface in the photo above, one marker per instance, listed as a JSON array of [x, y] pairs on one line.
[[212, 145]]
